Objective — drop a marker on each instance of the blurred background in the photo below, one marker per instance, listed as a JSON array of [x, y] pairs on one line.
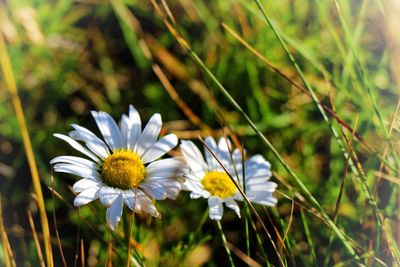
[[71, 57]]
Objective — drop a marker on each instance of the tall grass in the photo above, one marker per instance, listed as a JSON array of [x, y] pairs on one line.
[[313, 87]]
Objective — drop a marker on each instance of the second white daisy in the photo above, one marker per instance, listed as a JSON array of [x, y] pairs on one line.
[[125, 167], [208, 179]]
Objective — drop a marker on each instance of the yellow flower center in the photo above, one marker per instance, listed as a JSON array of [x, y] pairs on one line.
[[123, 169], [219, 184]]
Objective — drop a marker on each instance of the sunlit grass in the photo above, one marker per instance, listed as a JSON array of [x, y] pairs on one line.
[[313, 87]]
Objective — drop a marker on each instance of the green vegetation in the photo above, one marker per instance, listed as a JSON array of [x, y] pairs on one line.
[[313, 86]]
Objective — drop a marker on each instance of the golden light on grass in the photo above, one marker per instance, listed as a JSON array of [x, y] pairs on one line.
[[12, 89]]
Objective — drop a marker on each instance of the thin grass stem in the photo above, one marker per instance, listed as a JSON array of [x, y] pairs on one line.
[[12, 89], [221, 232], [36, 240]]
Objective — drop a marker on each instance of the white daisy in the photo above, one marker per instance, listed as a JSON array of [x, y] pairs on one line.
[[208, 179], [125, 167]]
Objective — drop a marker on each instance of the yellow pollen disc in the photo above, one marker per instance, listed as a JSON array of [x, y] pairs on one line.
[[219, 184], [123, 169]]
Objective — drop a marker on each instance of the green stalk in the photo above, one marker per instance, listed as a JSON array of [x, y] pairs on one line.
[[225, 243]]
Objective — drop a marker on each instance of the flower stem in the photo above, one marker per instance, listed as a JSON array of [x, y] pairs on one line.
[[225, 243], [132, 220]]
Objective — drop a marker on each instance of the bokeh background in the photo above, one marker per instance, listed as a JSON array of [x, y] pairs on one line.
[[71, 57]]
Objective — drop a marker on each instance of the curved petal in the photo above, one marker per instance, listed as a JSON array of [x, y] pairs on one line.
[[149, 135], [114, 212], [155, 190], [193, 156], [162, 146], [139, 201], [75, 161], [216, 208], [162, 188], [108, 195], [257, 166], [109, 129], [83, 172], [237, 156], [194, 185], [211, 161], [130, 199], [171, 167], [230, 203], [86, 196], [262, 185], [95, 144], [194, 195], [125, 130], [224, 146], [262, 197], [77, 146], [85, 184], [135, 129]]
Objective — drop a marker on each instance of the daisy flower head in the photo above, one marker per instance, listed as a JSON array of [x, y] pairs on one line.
[[124, 168], [209, 180]]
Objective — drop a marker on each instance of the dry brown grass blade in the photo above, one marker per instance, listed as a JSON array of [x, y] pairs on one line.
[[178, 100], [178, 70], [289, 223], [36, 240], [55, 222], [151, 49], [339, 198], [392, 179], [241, 255], [109, 254], [19, 112], [82, 253], [166, 58], [385, 148], [8, 254]]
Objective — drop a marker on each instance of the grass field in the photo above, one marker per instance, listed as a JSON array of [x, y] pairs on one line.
[[312, 86]]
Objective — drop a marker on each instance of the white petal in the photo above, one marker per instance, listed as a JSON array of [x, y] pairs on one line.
[[193, 156], [237, 156], [162, 188], [262, 186], [155, 190], [224, 145], [140, 201], [135, 129], [130, 199], [257, 173], [85, 184], [149, 135], [256, 163], [114, 212], [230, 203], [125, 130], [216, 208], [171, 167], [162, 146], [262, 197], [86, 196], [77, 146], [107, 195], [194, 185], [211, 161], [75, 161], [77, 170], [95, 144], [194, 195], [109, 129]]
